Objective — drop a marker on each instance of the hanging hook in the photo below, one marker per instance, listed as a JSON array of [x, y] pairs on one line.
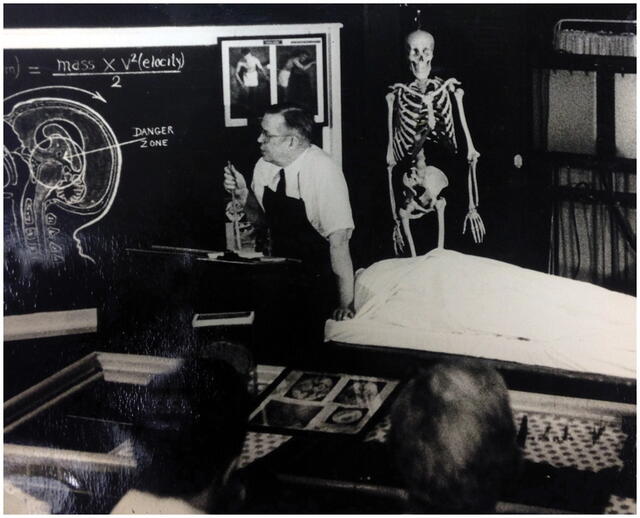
[[417, 20]]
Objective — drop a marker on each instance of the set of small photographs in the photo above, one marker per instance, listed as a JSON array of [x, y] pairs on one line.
[[320, 402], [260, 72]]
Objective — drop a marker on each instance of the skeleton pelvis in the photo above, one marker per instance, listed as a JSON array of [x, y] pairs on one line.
[[434, 180]]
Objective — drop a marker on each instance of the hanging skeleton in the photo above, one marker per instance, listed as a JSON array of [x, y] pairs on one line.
[[418, 113]]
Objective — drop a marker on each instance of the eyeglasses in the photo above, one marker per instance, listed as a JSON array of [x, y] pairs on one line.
[[268, 136]]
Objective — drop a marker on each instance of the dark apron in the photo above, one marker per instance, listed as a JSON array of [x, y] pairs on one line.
[[313, 291]]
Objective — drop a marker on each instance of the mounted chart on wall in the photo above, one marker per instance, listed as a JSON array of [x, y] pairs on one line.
[[259, 72], [116, 139]]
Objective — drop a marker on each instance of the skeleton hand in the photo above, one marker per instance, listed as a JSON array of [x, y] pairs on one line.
[[398, 240], [475, 224]]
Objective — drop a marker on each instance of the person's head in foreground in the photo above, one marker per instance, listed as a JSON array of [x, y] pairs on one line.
[[453, 438], [189, 427]]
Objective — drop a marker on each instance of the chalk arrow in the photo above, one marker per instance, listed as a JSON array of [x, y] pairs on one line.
[[94, 95], [120, 144]]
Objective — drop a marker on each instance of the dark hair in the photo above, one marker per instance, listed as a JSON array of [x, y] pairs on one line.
[[296, 118], [454, 439], [244, 51], [189, 425]]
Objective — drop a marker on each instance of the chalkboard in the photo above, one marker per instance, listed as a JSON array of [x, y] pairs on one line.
[[106, 149], [110, 147]]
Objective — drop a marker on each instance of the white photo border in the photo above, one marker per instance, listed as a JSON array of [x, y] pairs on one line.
[[272, 43]]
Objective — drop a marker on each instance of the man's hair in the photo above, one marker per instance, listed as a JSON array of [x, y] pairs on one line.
[[453, 438], [296, 117], [188, 426]]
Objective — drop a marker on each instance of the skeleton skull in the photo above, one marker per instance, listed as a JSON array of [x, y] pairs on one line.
[[420, 45]]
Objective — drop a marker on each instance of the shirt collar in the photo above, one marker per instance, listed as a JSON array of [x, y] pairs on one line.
[[296, 165]]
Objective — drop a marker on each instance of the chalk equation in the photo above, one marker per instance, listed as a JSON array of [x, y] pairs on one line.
[[12, 68], [135, 62], [131, 63]]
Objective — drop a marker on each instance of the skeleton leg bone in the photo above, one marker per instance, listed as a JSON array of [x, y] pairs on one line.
[[407, 231], [440, 204]]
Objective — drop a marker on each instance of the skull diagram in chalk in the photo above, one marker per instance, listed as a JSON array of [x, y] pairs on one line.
[[420, 117], [62, 166]]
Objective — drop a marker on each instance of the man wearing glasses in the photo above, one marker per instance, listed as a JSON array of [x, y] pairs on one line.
[[300, 193]]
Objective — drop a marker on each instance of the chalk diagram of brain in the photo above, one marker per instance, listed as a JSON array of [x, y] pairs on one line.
[[62, 165]]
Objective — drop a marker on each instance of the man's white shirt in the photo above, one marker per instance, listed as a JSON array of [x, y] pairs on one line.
[[316, 179]]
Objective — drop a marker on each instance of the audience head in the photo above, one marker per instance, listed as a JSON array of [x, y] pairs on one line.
[[454, 439], [189, 427]]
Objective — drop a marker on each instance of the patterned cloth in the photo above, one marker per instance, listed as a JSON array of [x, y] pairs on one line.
[[563, 442]]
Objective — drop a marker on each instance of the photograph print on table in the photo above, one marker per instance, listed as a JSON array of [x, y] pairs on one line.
[[313, 387], [322, 402]]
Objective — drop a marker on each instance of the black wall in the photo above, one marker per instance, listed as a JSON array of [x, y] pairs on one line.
[[490, 48]]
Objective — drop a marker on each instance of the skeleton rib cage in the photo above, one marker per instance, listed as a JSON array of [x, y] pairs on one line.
[[415, 113]]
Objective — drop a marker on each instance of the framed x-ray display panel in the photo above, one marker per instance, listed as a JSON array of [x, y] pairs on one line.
[[261, 71]]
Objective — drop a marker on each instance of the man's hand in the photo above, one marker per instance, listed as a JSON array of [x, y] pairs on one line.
[[342, 267], [235, 183], [342, 314]]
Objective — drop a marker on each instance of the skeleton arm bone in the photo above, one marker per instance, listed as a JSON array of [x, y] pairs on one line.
[[407, 231], [398, 242], [390, 97], [476, 224], [472, 152]]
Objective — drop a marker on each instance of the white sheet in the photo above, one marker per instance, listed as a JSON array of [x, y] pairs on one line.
[[454, 303]]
